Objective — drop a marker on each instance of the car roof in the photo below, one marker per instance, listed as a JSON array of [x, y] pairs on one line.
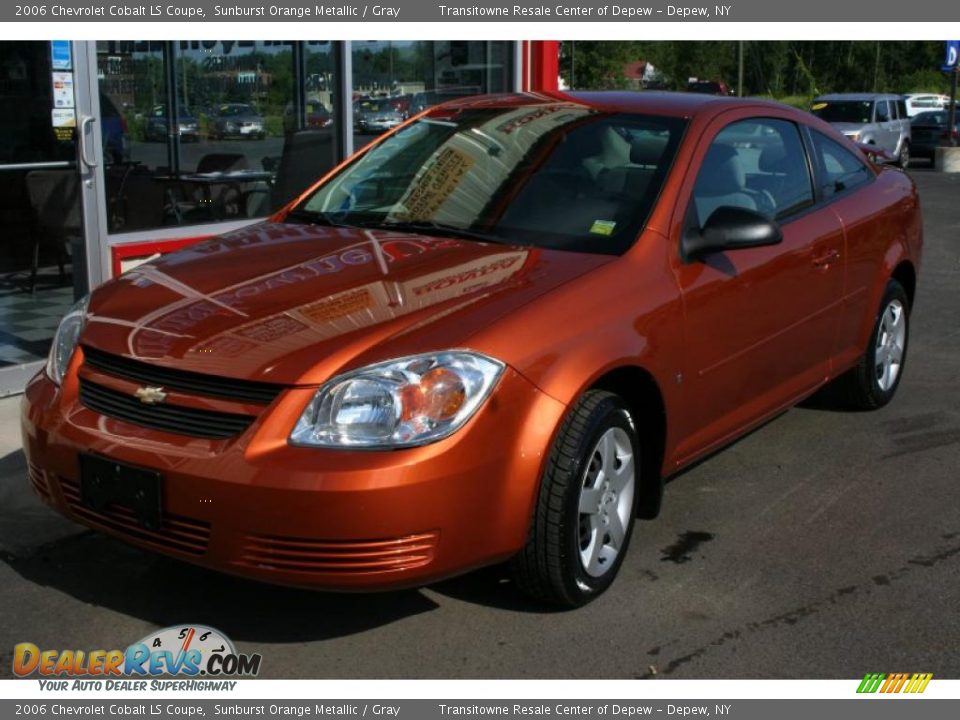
[[855, 97], [657, 102]]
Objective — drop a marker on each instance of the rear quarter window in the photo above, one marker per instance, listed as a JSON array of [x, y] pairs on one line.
[[840, 170]]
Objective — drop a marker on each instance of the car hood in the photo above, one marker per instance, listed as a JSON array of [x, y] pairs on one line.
[[294, 304]]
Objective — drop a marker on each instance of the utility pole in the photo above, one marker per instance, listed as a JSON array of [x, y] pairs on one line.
[[876, 70], [952, 114], [740, 70]]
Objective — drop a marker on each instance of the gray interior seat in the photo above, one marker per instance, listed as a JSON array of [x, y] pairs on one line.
[[721, 183]]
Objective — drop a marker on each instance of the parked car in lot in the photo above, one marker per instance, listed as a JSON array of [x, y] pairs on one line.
[[488, 337], [375, 115], [315, 117], [869, 118], [709, 87], [238, 120], [931, 129], [155, 127], [917, 103]]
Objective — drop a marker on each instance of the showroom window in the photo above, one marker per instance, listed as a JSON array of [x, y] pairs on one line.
[[199, 132], [393, 80]]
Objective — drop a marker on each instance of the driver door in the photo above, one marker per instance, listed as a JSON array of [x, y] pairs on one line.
[[760, 322]]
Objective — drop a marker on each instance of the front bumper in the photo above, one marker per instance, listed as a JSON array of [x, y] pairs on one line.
[[255, 506]]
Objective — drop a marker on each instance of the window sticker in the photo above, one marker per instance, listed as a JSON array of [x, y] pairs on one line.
[[603, 227]]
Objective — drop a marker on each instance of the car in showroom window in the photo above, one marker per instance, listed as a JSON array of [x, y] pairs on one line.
[[489, 336]]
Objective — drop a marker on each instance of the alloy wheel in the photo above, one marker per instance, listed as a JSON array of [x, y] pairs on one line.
[[606, 501], [891, 339]]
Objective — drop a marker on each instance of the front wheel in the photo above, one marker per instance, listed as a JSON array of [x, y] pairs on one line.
[[874, 381], [586, 505]]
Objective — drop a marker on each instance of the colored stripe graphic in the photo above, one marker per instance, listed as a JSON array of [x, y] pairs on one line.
[[894, 683], [871, 682]]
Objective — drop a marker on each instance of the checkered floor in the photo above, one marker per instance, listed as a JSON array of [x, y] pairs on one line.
[[28, 320]]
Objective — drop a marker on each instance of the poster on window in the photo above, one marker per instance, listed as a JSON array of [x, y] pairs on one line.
[[62, 89]]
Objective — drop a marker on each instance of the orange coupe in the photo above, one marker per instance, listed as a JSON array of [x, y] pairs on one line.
[[490, 335]]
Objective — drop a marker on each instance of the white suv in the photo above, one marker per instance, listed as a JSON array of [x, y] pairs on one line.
[[869, 118], [921, 102]]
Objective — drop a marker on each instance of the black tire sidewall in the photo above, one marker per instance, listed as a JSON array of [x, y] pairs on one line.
[[579, 584]]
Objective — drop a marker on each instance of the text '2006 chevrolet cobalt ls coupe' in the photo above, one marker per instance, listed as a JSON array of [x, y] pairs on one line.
[[488, 336]]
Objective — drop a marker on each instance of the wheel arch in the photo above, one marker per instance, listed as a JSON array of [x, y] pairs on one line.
[[906, 274], [640, 391]]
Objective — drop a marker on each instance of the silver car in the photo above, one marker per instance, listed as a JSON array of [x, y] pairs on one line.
[[375, 116], [869, 118]]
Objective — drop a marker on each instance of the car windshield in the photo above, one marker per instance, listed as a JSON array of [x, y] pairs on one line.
[[235, 110], [554, 176], [707, 88], [373, 106], [844, 111]]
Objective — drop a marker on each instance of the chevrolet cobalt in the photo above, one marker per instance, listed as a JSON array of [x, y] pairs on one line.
[[488, 336]]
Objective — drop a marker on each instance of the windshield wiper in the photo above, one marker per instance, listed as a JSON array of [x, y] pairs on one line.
[[435, 228], [314, 217]]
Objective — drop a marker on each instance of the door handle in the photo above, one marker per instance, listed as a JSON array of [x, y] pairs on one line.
[[827, 259], [84, 124]]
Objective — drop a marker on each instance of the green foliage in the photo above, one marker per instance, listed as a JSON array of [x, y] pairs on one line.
[[785, 69], [273, 125], [595, 65]]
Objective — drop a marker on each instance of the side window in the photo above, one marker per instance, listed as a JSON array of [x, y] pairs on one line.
[[902, 109], [883, 112], [758, 164], [841, 169]]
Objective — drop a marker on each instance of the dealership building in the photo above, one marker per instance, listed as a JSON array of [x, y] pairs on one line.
[[113, 152]]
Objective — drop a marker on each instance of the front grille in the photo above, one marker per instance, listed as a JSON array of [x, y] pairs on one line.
[[175, 419], [176, 533], [261, 393], [339, 556]]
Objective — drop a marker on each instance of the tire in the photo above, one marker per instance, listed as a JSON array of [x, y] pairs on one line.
[[572, 556], [869, 386], [903, 159]]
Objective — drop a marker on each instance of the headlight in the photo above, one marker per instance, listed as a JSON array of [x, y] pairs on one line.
[[401, 403], [854, 136], [65, 340]]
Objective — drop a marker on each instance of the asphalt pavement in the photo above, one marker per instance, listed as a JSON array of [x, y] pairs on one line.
[[824, 545]]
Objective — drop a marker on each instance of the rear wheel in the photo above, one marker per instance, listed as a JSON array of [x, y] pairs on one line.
[[585, 509], [874, 381], [904, 158]]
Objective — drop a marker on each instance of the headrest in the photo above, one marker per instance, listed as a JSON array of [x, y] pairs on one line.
[[721, 172], [773, 159], [648, 149]]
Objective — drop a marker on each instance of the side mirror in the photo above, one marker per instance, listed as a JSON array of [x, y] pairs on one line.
[[730, 228]]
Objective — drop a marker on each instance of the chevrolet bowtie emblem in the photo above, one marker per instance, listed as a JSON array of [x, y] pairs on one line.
[[150, 395]]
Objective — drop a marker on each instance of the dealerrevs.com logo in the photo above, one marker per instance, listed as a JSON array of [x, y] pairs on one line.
[[181, 651]]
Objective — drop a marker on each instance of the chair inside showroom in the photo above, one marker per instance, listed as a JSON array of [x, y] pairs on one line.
[[225, 199], [55, 205], [307, 154], [135, 200]]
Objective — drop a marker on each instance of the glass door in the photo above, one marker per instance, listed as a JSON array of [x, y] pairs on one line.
[[46, 182]]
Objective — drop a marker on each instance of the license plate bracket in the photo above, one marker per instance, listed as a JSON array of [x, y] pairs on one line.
[[105, 482]]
